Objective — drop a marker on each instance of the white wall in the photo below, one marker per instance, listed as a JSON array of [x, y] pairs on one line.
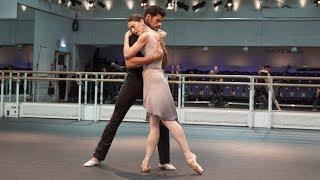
[[8, 9], [18, 31], [49, 29]]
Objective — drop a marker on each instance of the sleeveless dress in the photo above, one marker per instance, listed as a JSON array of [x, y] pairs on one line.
[[157, 97]]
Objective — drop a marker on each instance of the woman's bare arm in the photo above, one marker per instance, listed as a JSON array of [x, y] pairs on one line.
[[140, 61], [130, 52]]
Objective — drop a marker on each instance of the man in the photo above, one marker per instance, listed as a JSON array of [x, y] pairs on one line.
[[262, 91], [217, 99], [131, 90], [316, 100], [62, 84]]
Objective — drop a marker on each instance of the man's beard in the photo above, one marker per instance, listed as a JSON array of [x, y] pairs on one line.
[[148, 23]]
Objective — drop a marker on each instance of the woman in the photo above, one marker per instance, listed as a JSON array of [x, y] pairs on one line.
[[157, 98]]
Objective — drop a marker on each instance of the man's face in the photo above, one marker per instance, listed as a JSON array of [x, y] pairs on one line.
[[216, 68], [154, 22]]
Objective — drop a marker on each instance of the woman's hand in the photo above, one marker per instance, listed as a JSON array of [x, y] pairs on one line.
[[128, 34]]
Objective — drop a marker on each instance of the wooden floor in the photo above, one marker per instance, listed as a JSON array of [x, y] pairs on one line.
[[56, 149]]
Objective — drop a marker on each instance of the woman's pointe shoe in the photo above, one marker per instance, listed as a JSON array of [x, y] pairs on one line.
[[145, 168], [192, 161]]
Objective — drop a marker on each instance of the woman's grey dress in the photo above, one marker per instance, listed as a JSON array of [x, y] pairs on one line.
[[157, 97]]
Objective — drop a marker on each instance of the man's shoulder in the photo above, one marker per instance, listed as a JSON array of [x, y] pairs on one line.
[[133, 37]]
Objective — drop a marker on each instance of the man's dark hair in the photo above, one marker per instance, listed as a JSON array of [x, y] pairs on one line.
[[266, 66], [154, 11]]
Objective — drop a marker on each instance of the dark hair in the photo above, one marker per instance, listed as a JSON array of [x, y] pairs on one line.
[[154, 11], [135, 17], [266, 66]]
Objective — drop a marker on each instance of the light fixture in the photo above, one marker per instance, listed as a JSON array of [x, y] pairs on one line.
[[63, 44], [199, 5], [169, 5], [101, 4], [108, 4], [130, 4], [61, 2], [294, 49], [75, 2], [303, 3], [91, 3], [144, 3], [152, 2], [245, 49], [217, 4], [23, 8], [317, 2], [182, 6], [229, 6], [258, 4]]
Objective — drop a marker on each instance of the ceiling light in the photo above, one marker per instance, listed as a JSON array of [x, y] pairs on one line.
[[169, 5], [217, 4], [182, 6], [101, 4], [144, 3], [229, 5], [75, 2], [91, 3], [199, 5]]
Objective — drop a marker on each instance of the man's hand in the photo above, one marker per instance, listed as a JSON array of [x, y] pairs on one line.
[[162, 33], [158, 55]]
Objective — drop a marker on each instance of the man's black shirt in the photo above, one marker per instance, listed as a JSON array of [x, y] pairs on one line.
[[137, 71]]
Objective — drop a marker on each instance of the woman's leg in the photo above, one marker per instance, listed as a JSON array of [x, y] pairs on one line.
[[152, 142], [178, 133]]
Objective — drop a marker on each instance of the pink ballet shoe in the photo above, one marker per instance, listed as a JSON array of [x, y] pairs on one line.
[[145, 168], [192, 161]]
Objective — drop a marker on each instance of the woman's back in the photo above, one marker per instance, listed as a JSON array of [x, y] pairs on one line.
[[151, 48]]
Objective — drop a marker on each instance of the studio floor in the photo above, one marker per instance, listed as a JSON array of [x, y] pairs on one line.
[[46, 149]]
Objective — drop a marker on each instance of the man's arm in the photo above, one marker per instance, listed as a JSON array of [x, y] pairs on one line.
[[130, 52], [140, 61]]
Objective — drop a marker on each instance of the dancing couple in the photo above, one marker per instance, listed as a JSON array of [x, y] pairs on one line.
[[157, 98]]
